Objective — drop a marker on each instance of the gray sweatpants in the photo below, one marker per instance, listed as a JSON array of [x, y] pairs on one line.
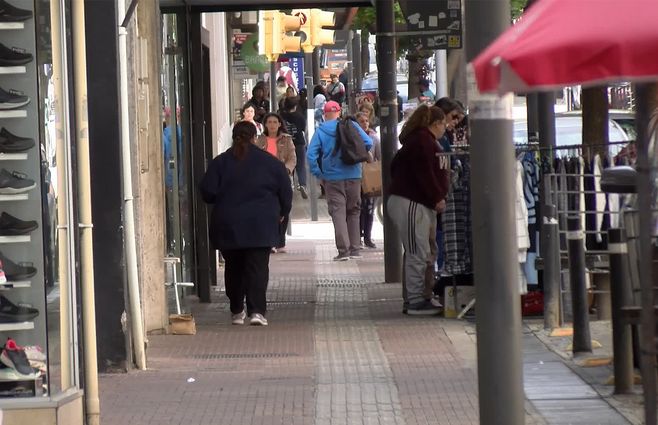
[[344, 205], [414, 223]]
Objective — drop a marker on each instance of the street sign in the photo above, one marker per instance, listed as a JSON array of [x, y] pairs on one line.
[[434, 25]]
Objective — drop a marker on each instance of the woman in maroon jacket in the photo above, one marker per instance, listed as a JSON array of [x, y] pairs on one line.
[[420, 181]]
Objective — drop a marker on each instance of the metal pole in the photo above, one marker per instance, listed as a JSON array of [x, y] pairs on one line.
[[495, 260], [532, 112], [388, 118], [273, 105], [645, 191], [622, 341], [582, 342], [315, 65], [358, 65], [85, 225], [350, 73], [550, 252], [310, 129]]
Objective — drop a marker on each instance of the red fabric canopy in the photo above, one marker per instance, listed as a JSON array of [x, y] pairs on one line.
[[561, 43]]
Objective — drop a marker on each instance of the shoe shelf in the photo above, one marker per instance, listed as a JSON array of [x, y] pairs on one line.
[[13, 70], [12, 25], [19, 326], [17, 197], [15, 239], [13, 156], [15, 284], [16, 113]]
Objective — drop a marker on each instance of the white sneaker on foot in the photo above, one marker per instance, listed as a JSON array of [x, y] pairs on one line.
[[257, 319], [238, 318]]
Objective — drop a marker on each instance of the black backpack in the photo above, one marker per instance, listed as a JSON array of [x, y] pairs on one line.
[[349, 142]]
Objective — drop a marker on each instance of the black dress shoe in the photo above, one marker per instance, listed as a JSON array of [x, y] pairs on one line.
[[11, 143], [12, 99], [10, 13], [12, 226], [14, 56], [14, 272], [12, 313]]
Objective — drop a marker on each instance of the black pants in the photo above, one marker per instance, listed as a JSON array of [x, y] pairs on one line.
[[367, 216], [247, 273], [283, 227]]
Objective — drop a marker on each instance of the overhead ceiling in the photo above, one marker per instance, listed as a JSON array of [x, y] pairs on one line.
[[243, 5]]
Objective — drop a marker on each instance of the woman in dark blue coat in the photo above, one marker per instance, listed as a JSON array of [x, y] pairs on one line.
[[250, 193]]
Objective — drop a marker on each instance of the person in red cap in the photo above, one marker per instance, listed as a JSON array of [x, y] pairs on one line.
[[342, 182]]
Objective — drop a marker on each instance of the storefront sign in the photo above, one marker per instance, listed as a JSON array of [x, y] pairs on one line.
[[432, 25], [245, 49]]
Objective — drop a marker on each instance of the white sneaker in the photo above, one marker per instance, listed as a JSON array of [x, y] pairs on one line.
[[238, 319], [257, 319], [435, 302]]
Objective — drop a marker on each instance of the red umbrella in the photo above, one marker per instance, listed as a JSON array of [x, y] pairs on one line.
[[561, 43]]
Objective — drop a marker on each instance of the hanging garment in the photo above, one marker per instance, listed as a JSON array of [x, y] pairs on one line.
[[522, 237], [456, 223]]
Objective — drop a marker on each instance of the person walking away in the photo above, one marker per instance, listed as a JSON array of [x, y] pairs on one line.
[[342, 182], [295, 123], [278, 143], [336, 90], [250, 193], [368, 202], [319, 99], [420, 181]]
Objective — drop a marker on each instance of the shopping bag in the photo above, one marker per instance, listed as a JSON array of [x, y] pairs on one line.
[[182, 324], [371, 178]]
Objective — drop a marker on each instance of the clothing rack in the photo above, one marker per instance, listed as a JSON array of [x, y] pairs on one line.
[[533, 147]]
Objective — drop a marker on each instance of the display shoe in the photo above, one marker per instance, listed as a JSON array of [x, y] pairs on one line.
[[9, 13], [14, 56], [15, 272], [12, 226], [12, 313], [14, 356], [3, 278], [14, 183], [12, 99], [11, 143]]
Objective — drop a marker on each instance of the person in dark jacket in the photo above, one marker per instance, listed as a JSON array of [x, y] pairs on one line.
[[420, 182], [294, 121], [250, 192]]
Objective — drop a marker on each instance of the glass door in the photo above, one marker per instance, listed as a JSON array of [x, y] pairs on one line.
[[177, 145]]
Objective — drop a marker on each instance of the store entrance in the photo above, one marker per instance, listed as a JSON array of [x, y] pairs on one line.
[[185, 79], [177, 145]]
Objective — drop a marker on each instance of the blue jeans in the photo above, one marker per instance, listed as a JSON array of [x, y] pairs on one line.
[[300, 168]]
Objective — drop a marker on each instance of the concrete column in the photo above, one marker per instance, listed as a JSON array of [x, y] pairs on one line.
[[144, 52]]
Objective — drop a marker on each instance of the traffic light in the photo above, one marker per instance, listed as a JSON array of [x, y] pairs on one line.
[[304, 16], [273, 38], [320, 19]]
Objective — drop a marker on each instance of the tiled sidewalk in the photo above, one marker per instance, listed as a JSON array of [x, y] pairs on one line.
[[337, 351]]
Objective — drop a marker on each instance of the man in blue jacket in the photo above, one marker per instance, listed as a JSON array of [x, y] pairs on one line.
[[342, 182]]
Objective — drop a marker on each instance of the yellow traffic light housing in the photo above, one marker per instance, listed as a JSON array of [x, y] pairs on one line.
[[266, 35], [273, 39], [304, 16], [282, 26], [320, 19]]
